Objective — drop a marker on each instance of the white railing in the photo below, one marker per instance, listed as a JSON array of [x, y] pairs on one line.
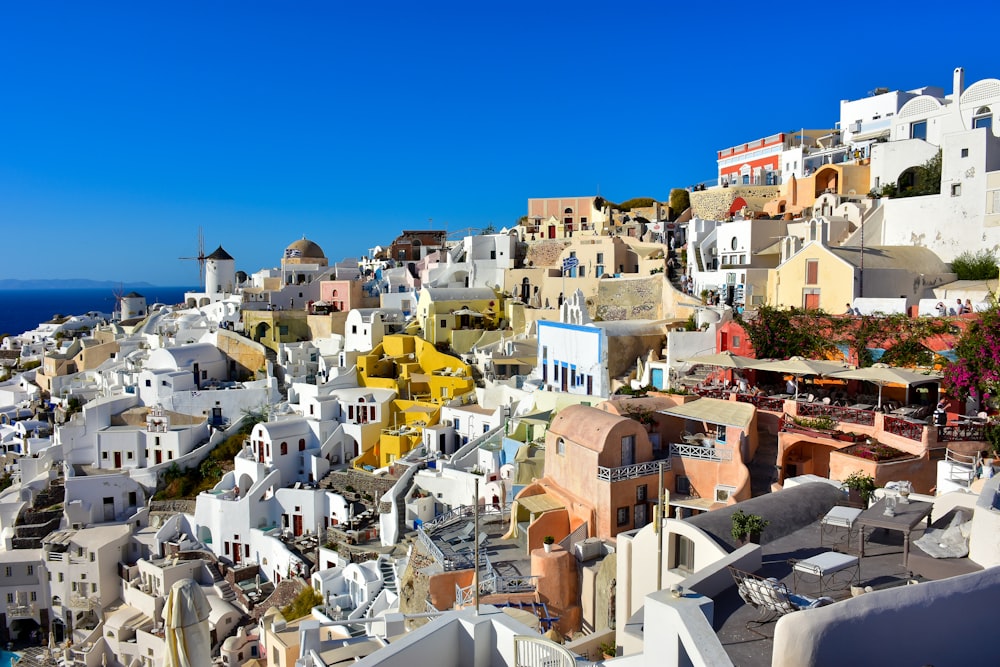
[[702, 453], [540, 652], [20, 610], [632, 471]]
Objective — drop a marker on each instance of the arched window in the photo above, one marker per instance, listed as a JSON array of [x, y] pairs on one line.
[[334, 292], [568, 211], [983, 118], [284, 448]]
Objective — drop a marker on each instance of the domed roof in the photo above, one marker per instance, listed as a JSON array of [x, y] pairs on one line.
[[304, 248]]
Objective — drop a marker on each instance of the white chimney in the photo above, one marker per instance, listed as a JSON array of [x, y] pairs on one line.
[[958, 82]]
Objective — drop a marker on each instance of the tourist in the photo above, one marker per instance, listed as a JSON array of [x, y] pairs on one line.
[[959, 307], [968, 306], [942, 309]]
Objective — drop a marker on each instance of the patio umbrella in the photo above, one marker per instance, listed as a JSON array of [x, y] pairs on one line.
[[724, 360], [802, 367], [882, 374], [186, 634]]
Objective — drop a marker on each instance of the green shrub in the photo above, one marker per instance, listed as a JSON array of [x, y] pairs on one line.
[[981, 265], [302, 604], [680, 201]]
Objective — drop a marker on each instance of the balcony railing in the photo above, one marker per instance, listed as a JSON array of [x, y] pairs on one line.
[[539, 652], [702, 453], [840, 413], [962, 433], [770, 404], [15, 611], [631, 472], [904, 428]]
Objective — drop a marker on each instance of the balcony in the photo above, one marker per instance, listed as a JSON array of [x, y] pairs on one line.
[[702, 453], [16, 611], [632, 471]]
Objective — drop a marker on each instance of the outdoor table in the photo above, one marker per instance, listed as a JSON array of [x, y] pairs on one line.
[[839, 517], [861, 406], [906, 518], [905, 412], [825, 566]]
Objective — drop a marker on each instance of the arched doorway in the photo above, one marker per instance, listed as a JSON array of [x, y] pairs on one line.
[[261, 331], [806, 457], [826, 180]]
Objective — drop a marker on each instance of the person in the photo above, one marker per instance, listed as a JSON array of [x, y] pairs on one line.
[[850, 311], [742, 382], [941, 413], [790, 386], [968, 306], [942, 309]]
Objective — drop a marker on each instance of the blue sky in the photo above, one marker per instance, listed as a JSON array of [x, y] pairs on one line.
[[124, 127]]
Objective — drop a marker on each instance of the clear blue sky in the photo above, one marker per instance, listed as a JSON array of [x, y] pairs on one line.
[[126, 126]]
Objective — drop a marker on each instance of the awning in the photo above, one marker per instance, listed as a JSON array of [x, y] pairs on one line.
[[874, 134], [542, 502], [715, 411], [540, 417]]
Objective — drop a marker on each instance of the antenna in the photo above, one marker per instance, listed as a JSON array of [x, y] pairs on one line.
[[200, 257]]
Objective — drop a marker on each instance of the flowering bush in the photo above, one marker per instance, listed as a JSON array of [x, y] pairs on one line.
[[976, 373], [874, 451]]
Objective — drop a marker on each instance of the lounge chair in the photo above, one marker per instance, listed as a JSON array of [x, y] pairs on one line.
[[770, 598]]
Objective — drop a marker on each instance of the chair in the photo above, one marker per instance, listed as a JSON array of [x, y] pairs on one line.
[[770, 598]]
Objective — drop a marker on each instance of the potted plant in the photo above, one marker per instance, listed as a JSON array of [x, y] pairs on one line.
[[547, 542], [748, 527], [609, 650], [860, 486]]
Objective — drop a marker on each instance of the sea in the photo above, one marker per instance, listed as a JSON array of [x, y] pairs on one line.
[[24, 310]]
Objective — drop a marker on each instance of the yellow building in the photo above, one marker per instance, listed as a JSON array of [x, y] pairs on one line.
[[424, 378], [270, 328], [84, 354], [457, 316], [817, 276]]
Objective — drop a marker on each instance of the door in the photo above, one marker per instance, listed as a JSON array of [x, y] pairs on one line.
[[159, 456], [197, 375], [810, 301], [237, 552], [657, 377], [564, 377], [297, 524], [118, 459], [552, 231], [109, 509], [628, 450]]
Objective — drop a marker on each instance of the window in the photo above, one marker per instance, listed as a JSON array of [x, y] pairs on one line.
[[640, 493], [34, 596], [302, 444], [965, 152], [736, 341], [600, 258], [62, 577], [918, 130], [561, 447], [10, 598], [682, 485], [284, 448], [7, 571], [722, 493], [93, 556], [733, 243], [681, 553], [128, 455], [444, 324], [93, 588], [812, 272], [104, 455], [622, 516], [283, 330], [983, 118], [956, 189], [149, 383], [486, 428], [31, 570]]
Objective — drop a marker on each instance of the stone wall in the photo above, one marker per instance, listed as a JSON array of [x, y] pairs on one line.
[[173, 506], [628, 299], [713, 204], [248, 356]]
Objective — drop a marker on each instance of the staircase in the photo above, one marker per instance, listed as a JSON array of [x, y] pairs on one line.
[[695, 376], [224, 587], [388, 575]]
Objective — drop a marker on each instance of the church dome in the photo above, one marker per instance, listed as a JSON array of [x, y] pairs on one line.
[[304, 249]]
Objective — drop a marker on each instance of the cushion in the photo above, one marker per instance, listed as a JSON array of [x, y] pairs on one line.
[[949, 542]]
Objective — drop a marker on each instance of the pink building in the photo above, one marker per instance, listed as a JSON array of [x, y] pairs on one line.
[[341, 296]]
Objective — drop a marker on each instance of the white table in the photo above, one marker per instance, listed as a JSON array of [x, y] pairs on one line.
[[825, 566]]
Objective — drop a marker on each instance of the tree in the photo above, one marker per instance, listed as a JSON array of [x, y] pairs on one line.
[[488, 229], [975, 266], [976, 371], [680, 201]]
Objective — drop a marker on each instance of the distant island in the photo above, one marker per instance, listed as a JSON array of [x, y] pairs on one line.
[[67, 283]]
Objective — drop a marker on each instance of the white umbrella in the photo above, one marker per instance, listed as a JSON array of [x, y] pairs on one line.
[[802, 367], [882, 374], [724, 360], [186, 634]]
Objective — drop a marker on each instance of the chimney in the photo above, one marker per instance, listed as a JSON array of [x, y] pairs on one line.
[[958, 82]]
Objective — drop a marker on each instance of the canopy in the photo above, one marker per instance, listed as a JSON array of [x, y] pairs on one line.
[[724, 360], [715, 411], [882, 374], [186, 616], [469, 312], [799, 366]]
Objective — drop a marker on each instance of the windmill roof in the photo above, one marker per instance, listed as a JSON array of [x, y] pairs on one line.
[[219, 254]]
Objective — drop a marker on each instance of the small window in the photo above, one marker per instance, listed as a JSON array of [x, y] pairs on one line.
[[640, 493], [681, 553], [736, 341], [444, 324], [622, 516], [918, 130], [683, 485], [561, 447], [956, 189], [8, 571], [965, 152], [31, 570]]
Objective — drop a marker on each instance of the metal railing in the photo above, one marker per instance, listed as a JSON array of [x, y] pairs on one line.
[[702, 453], [903, 428], [540, 652], [632, 471], [770, 404], [840, 413], [20, 611], [962, 432]]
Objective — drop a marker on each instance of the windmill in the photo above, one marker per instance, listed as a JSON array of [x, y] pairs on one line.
[[200, 257], [119, 292]]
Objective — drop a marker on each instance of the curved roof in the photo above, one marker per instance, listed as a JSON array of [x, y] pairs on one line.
[[787, 511], [585, 426], [304, 248]]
